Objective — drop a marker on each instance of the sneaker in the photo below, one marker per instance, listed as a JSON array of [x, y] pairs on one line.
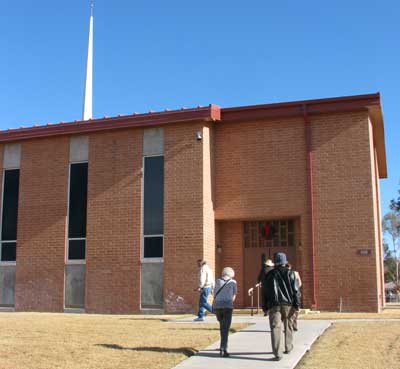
[[198, 320]]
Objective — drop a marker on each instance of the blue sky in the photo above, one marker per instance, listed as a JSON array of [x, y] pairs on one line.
[[152, 55]]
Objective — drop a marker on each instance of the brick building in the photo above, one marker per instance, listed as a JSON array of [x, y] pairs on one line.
[[110, 215]]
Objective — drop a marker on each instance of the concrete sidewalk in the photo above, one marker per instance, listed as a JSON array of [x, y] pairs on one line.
[[250, 348]]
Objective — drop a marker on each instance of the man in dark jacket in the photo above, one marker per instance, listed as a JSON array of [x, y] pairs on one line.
[[267, 266], [282, 300]]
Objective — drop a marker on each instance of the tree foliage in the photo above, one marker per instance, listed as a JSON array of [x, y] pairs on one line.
[[391, 227], [389, 264], [395, 204]]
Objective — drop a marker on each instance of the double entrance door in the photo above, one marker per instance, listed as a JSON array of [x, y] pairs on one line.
[[261, 241]]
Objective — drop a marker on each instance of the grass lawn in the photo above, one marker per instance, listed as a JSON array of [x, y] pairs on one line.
[[73, 341], [359, 345]]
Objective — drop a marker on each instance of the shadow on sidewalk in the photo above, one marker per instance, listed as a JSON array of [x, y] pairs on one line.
[[187, 351]]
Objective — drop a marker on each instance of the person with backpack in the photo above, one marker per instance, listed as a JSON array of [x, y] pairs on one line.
[[224, 295], [282, 300], [299, 282]]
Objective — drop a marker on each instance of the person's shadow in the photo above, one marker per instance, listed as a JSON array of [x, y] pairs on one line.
[[187, 351]]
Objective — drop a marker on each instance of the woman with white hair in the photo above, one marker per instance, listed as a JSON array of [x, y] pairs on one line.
[[224, 296]]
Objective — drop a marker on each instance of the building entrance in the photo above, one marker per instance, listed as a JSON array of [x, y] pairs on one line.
[[262, 239]]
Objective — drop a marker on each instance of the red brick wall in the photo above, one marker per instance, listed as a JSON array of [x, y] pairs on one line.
[[243, 171], [380, 265], [113, 223], [183, 215], [343, 193], [260, 173], [41, 225], [231, 236]]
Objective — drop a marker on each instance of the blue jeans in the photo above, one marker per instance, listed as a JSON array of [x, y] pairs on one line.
[[203, 302]]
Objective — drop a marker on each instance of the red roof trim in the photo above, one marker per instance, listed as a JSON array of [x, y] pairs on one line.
[[209, 113], [295, 108]]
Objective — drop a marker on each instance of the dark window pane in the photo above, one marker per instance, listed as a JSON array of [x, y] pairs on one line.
[[153, 207], [291, 239], [290, 224], [9, 251], [76, 250], [153, 247], [77, 200], [10, 205]]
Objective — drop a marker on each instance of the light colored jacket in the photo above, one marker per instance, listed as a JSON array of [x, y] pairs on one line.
[[206, 277]]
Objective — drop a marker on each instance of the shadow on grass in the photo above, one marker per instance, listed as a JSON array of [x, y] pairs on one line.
[[187, 351], [148, 319]]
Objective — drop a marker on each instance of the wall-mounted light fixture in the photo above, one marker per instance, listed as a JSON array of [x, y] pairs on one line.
[[199, 135], [219, 248]]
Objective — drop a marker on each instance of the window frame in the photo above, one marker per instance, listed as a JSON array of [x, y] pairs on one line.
[[6, 263], [253, 228], [69, 261], [143, 236]]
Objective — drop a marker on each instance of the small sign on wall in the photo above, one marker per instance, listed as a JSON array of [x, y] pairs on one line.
[[364, 252]]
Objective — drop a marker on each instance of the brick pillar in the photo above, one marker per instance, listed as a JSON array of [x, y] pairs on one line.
[[233, 254], [42, 215], [183, 215], [113, 222]]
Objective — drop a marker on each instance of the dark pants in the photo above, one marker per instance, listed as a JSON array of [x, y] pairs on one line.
[[203, 302], [224, 316], [278, 315]]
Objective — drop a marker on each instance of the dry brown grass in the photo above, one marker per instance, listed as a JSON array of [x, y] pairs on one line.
[[386, 314], [61, 341], [358, 345]]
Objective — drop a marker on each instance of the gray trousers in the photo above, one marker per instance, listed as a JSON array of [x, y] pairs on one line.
[[278, 315], [224, 316]]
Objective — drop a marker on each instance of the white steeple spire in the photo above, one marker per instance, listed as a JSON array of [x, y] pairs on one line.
[[87, 98]]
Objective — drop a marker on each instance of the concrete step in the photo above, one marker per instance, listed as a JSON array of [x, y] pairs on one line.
[[152, 311]]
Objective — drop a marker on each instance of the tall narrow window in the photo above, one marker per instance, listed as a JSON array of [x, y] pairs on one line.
[[77, 211], [153, 207], [8, 250]]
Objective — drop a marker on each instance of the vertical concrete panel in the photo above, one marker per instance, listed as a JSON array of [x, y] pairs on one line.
[[12, 156], [75, 286], [78, 149], [153, 141], [7, 285], [152, 285]]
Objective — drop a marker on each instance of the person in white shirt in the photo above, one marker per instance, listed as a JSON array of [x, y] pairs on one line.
[[206, 285]]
